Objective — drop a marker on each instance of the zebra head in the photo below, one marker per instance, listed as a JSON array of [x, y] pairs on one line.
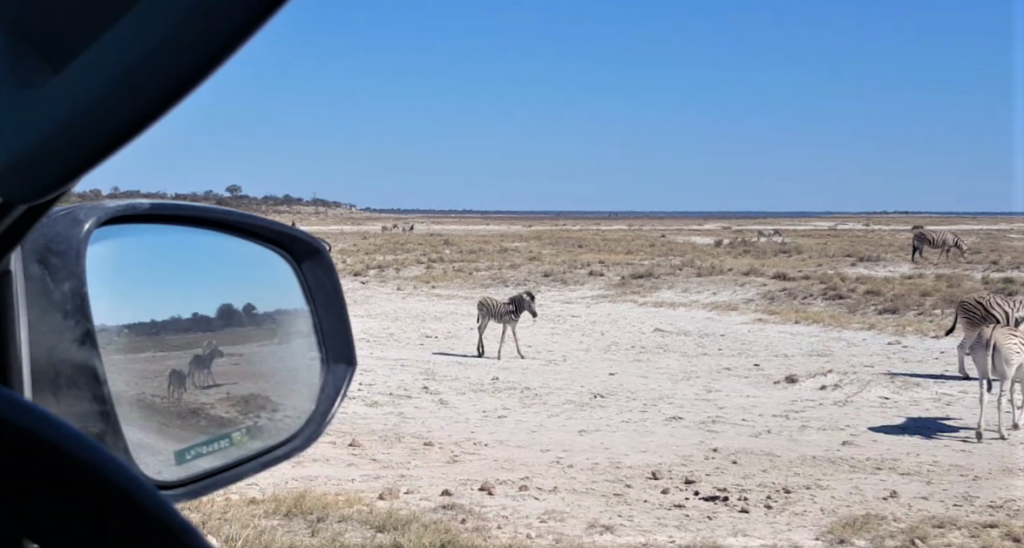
[[529, 302], [961, 246]]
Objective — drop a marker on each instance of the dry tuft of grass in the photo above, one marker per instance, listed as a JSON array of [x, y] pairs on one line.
[[310, 519], [874, 530]]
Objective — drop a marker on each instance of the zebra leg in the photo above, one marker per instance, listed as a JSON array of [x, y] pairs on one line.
[[999, 408], [480, 337], [504, 329], [961, 352], [981, 415], [1013, 407], [516, 338], [213, 380]]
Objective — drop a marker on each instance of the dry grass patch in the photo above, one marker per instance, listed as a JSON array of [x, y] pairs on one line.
[[310, 519], [877, 531], [843, 278]]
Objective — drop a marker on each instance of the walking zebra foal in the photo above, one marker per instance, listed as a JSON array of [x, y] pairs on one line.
[[177, 385], [998, 352], [943, 240], [201, 365], [978, 310], [506, 313], [768, 234]]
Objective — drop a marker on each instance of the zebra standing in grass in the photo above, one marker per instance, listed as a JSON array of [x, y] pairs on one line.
[[177, 385], [977, 310], [943, 240], [768, 234], [201, 365], [998, 352], [506, 313]]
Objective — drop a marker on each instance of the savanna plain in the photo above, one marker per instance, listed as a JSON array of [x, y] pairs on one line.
[[684, 384]]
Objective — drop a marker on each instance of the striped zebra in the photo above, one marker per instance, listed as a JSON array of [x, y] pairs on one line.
[[977, 310], [998, 352], [916, 228], [506, 313], [768, 234], [943, 240], [177, 385], [201, 365]]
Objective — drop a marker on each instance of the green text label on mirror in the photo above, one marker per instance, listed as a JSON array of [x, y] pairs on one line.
[[212, 445]]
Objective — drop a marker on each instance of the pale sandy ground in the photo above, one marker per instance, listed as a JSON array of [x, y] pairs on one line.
[[612, 391], [501, 225]]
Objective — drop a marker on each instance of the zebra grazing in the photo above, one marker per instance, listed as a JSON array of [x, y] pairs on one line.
[[385, 228], [977, 310], [916, 228], [998, 352], [506, 313], [943, 240], [768, 234], [177, 385], [201, 365]]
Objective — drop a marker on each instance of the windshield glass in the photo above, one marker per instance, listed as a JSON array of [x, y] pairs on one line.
[[718, 246]]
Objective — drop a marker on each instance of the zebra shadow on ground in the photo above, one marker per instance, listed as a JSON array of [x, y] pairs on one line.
[[929, 376], [929, 428], [211, 386], [455, 355]]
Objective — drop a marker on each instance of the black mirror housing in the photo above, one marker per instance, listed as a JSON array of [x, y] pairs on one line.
[[64, 360]]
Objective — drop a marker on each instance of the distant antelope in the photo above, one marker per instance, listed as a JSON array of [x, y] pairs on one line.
[[768, 234], [943, 240], [177, 385], [201, 365], [506, 313]]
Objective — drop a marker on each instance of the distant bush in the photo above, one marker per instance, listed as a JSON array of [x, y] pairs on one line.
[[232, 197]]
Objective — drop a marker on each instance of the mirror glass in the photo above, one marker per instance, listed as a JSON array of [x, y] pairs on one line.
[[208, 344]]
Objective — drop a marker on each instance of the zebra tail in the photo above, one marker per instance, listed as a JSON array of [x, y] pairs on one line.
[[991, 352], [956, 315]]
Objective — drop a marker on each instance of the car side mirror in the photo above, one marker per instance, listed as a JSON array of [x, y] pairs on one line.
[[200, 344]]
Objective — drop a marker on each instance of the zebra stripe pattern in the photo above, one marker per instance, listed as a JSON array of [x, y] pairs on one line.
[[506, 313], [201, 365], [177, 385], [943, 240], [977, 310], [999, 352], [768, 234]]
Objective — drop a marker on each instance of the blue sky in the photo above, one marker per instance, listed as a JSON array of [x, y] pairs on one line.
[[130, 270], [773, 105]]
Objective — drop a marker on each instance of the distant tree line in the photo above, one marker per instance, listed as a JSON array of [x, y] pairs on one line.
[[227, 316], [232, 197]]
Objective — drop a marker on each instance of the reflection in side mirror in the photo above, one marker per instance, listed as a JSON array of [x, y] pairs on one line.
[[208, 344]]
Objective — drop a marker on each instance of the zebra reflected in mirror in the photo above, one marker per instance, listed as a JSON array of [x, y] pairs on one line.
[[201, 365], [177, 385], [506, 313], [943, 240]]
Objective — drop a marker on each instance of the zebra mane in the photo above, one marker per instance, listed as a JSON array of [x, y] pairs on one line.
[[529, 295]]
